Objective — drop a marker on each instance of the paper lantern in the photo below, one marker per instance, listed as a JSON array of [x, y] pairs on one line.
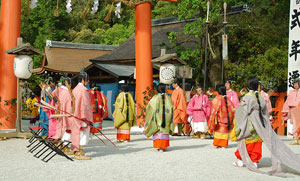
[[167, 73], [23, 66]]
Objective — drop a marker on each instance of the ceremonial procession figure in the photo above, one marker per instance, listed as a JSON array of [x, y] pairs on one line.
[[266, 98], [159, 119], [32, 108], [292, 101], [234, 98], [43, 115], [53, 101], [66, 100], [251, 127], [83, 117], [99, 105], [221, 117], [199, 109], [179, 106], [124, 114]]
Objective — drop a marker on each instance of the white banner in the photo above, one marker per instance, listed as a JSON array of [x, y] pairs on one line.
[[294, 46], [225, 47], [294, 43]]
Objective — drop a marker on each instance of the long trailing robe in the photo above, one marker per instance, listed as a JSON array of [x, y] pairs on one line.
[[95, 7], [281, 154], [33, 4], [118, 10], [69, 6]]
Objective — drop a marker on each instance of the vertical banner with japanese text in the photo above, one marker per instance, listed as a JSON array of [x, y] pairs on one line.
[[294, 46]]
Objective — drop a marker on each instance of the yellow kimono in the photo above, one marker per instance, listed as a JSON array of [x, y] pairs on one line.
[[32, 109], [124, 115]]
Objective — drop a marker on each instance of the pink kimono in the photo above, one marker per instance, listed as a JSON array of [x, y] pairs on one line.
[[268, 102], [199, 108], [83, 110], [234, 98], [66, 107], [53, 121], [290, 104]]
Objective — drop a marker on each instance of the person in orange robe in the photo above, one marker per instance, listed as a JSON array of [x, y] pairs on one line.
[[179, 105], [221, 118], [99, 104]]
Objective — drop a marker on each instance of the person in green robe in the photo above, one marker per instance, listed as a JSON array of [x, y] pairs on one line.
[[124, 114], [159, 116]]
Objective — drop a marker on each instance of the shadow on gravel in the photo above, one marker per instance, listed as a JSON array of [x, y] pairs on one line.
[[123, 150], [174, 148]]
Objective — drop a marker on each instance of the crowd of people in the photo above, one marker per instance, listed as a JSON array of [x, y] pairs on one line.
[[72, 114]]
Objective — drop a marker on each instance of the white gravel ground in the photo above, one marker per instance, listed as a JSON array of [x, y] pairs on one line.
[[186, 159]]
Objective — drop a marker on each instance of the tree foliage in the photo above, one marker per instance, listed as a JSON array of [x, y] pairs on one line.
[[257, 40]]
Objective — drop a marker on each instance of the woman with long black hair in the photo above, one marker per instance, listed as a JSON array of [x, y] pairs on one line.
[[221, 117], [159, 117], [251, 127]]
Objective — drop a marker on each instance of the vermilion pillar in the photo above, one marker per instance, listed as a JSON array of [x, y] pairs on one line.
[[143, 52], [9, 32]]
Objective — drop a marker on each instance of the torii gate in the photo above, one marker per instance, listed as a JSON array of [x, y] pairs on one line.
[[10, 31]]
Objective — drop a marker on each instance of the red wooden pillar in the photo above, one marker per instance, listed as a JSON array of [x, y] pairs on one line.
[[143, 52], [9, 32]]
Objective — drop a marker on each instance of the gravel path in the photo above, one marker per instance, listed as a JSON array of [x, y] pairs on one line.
[[186, 158]]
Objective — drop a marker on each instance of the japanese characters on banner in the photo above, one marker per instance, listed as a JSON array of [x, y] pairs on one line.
[[294, 47], [294, 43]]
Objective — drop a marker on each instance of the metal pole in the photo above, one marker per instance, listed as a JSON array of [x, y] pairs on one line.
[[206, 39], [224, 23]]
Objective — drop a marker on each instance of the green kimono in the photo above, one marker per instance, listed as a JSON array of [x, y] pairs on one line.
[[252, 136], [124, 119], [154, 116]]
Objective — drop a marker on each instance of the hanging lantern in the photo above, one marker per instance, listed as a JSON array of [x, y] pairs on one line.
[[23, 66], [167, 73]]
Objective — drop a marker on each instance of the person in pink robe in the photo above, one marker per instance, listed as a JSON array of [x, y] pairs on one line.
[[199, 109], [83, 116], [234, 98], [66, 106], [267, 99], [52, 121], [290, 104]]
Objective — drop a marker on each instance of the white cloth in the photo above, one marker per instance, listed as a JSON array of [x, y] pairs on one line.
[[66, 137], [33, 4], [176, 129], [95, 7], [84, 137], [118, 10], [199, 126]]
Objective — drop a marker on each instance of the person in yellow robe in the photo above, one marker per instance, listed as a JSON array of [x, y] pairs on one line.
[[124, 114], [32, 108], [179, 105], [159, 119]]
